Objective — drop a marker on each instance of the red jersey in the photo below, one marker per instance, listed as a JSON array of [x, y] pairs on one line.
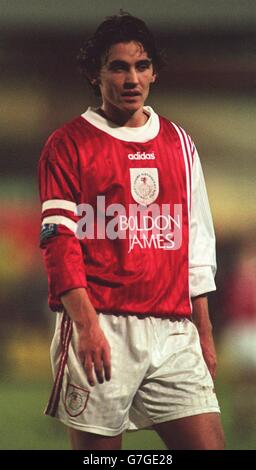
[[116, 218]]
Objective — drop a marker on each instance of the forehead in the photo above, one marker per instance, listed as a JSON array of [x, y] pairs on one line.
[[126, 51]]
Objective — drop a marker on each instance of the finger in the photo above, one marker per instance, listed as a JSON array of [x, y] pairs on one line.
[[107, 364], [98, 367], [88, 367]]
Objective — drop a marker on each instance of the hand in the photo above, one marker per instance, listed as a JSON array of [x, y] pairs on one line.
[[94, 352], [209, 352], [93, 347]]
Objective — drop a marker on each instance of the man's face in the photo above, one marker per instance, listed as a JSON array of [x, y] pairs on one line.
[[125, 77]]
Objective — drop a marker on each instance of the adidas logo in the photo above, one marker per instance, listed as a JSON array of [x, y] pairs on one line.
[[141, 156]]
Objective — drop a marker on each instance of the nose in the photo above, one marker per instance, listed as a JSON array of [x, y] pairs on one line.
[[131, 78]]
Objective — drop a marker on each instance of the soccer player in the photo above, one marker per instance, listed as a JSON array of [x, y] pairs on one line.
[[129, 247]]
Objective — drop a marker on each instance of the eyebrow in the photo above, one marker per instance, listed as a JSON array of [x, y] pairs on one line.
[[122, 63]]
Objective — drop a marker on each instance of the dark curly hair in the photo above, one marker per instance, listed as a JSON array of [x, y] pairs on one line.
[[114, 29]]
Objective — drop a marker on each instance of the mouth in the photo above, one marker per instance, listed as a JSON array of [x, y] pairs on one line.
[[131, 94]]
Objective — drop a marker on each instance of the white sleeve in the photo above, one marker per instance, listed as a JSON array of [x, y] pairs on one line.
[[202, 253]]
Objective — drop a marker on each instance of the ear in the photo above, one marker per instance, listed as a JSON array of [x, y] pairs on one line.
[[95, 81], [153, 79]]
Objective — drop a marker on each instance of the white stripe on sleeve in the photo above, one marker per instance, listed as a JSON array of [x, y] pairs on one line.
[[59, 204], [61, 220]]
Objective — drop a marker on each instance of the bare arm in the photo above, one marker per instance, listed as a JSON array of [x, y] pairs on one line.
[[93, 347], [202, 321]]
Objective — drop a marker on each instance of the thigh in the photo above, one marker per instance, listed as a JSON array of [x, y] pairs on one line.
[[199, 432], [178, 383], [104, 408], [81, 440]]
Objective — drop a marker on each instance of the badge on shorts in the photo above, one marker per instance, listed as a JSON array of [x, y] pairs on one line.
[[76, 400], [144, 185]]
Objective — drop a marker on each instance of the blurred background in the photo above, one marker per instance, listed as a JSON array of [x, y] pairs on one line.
[[208, 88]]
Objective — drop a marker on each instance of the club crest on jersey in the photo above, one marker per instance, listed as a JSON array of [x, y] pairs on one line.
[[76, 400], [144, 185]]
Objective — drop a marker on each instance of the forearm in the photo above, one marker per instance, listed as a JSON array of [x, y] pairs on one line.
[[200, 314], [203, 323], [80, 308]]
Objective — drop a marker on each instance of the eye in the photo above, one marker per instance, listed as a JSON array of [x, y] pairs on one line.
[[117, 68], [143, 66]]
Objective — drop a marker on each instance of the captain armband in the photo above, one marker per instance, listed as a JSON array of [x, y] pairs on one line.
[[48, 231]]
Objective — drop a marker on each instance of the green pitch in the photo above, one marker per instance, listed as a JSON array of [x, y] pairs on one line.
[[24, 427]]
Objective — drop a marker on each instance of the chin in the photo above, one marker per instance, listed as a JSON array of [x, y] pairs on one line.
[[131, 107]]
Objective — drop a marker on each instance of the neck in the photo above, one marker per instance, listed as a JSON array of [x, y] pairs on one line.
[[124, 118]]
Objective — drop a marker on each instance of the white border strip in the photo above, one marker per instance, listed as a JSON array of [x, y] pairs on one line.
[[59, 204], [185, 156], [189, 153], [60, 219]]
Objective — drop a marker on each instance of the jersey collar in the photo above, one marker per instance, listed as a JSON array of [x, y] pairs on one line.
[[129, 134]]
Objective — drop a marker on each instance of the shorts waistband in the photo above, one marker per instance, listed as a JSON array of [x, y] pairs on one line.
[[173, 317]]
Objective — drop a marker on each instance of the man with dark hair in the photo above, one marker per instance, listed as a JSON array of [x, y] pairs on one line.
[[116, 29], [129, 248]]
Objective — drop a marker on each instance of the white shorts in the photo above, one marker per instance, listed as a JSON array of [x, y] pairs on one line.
[[158, 374]]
